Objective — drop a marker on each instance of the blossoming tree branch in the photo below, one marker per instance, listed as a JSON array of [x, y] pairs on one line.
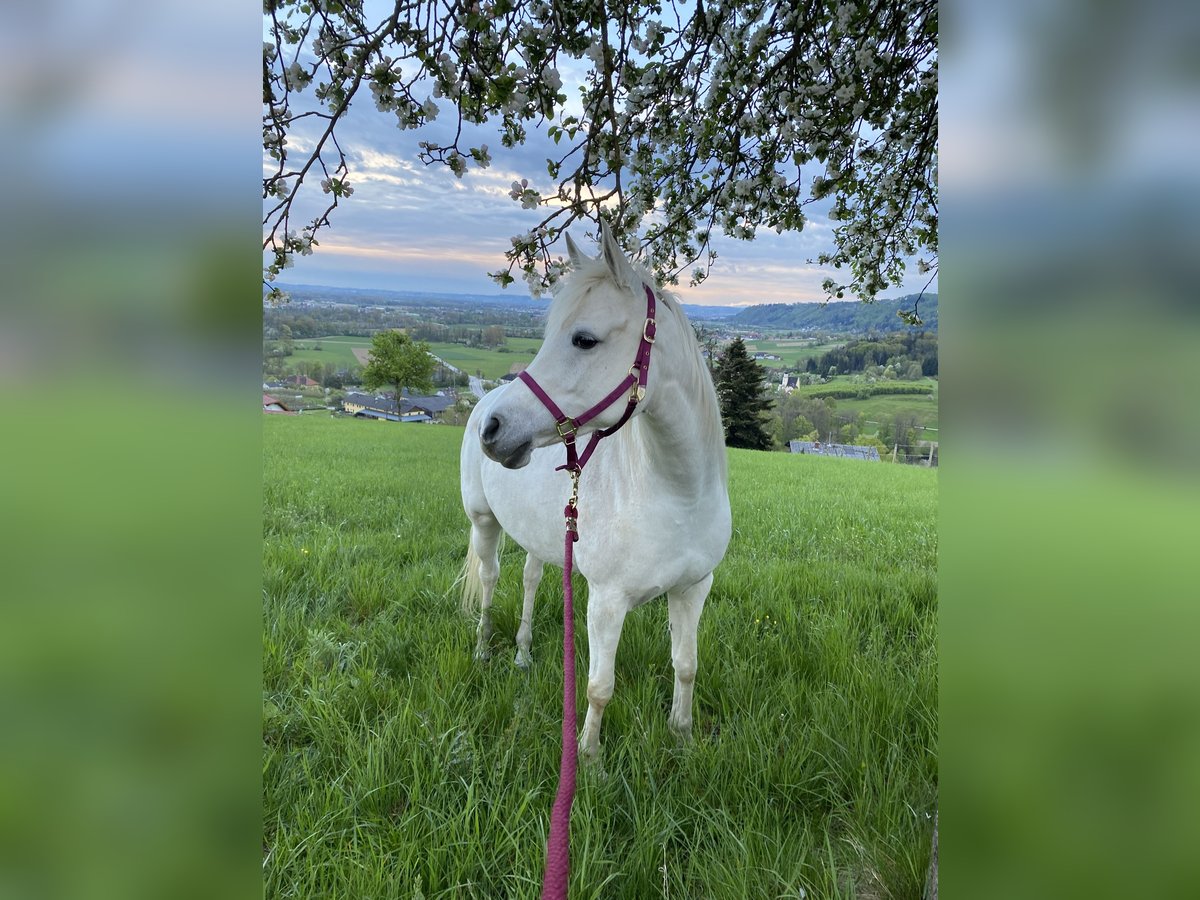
[[696, 117]]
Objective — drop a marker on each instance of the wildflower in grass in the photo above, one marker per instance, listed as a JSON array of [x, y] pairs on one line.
[[766, 624]]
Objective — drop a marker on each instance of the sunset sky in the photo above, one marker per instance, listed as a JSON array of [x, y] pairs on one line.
[[412, 227]]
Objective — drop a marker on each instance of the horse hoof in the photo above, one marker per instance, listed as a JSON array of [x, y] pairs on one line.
[[523, 660], [482, 654]]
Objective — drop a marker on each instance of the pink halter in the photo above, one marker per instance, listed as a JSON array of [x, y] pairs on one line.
[[634, 382]]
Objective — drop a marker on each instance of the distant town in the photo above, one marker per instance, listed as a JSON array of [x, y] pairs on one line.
[[845, 379]]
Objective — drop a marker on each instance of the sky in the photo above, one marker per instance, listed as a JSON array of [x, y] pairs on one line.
[[412, 227]]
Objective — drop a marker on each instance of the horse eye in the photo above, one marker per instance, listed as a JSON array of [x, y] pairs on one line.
[[584, 341]]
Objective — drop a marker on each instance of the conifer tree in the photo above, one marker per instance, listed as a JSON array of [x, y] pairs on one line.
[[743, 403]]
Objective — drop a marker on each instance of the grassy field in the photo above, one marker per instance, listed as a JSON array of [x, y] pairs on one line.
[[883, 408], [337, 349], [493, 363], [792, 354], [395, 765]]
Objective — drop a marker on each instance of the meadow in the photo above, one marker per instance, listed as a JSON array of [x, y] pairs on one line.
[[882, 409], [492, 363], [339, 349], [396, 765], [336, 349], [792, 353]]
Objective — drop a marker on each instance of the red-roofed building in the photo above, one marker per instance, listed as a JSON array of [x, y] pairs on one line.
[[271, 405]]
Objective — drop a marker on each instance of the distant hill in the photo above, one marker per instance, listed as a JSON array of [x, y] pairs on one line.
[[842, 316], [376, 297]]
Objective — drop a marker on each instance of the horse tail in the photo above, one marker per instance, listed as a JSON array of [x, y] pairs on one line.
[[469, 582]]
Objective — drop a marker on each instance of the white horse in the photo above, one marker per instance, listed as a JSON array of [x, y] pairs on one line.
[[653, 501]]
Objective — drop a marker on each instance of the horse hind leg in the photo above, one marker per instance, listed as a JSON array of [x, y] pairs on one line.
[[684, 606], [485, 546], [532, 578]]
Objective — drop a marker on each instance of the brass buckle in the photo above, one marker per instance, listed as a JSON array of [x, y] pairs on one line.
[[637, 392], [646, 336], [568, 436]]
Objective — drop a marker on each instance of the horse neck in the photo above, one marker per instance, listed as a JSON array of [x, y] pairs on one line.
[[680, 430]]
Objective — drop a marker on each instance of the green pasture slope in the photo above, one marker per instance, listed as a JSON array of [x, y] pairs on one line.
[[397, 766], [883, 408], [792, 353], [493, 363], [338, 349]]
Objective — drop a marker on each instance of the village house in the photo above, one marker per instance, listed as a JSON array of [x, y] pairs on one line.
[[410, 409], [273, 405]]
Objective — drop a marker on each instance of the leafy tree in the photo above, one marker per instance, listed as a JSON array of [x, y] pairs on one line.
[[731, 115], [286, 344], [743, 402], [493, 336], [397, 361], [707, 339]]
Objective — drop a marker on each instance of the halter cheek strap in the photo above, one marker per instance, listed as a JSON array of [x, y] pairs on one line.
[[634, 382]]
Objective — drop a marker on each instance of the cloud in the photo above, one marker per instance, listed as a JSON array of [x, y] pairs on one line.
[[419, 225]]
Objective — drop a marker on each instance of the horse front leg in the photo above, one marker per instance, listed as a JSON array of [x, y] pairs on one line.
[[532, 578], [605, 618], [684, 606]]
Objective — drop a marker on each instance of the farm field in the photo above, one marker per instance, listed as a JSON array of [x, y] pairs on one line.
[[493, 363], [339, 349], [396, 765], [884, 408], [791, 353]]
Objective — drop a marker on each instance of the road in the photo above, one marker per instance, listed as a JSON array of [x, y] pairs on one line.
[[475, 383]]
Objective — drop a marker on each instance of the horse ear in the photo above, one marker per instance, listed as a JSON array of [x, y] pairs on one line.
[[614, 256], [576, 255]]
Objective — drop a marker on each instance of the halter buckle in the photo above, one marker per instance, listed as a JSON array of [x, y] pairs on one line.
[[649, 330], [566, 431]]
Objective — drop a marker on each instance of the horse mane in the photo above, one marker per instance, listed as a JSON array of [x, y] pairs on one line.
[[593, 272]]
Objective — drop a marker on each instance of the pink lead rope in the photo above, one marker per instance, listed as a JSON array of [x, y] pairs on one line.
[[558, 849], [558, 845]]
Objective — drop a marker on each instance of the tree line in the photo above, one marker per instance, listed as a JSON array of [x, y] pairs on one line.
[[457, 325], [909, 355], [756, 420]]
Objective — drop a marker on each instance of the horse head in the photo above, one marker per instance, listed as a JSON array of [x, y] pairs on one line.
[[597, 326]]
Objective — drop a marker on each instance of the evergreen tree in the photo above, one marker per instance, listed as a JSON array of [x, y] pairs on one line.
[[743, 403]]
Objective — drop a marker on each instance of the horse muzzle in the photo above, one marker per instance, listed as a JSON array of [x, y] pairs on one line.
[[498, 442]]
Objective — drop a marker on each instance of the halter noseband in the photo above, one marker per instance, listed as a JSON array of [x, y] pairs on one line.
[[634, 382]]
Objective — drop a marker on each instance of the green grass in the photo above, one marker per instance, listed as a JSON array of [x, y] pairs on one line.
[[395, 765], [883, 408], [493, 363], [792, 353], [338, 349]]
